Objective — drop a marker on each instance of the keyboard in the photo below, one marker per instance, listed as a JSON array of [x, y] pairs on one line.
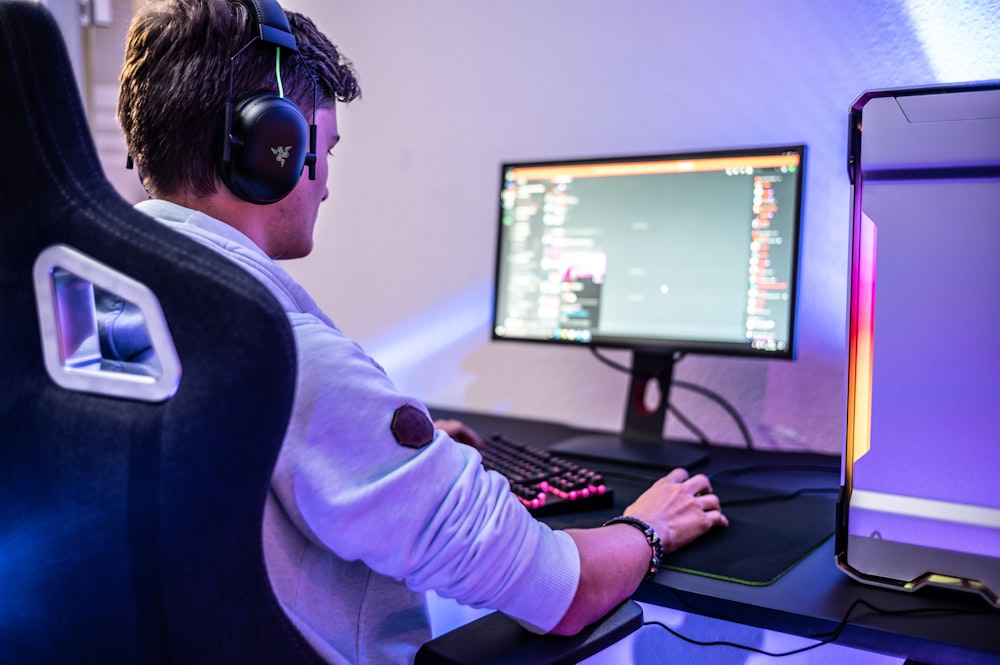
[[545, 483]]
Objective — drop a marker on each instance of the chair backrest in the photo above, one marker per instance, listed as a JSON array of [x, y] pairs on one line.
[[130, 520]]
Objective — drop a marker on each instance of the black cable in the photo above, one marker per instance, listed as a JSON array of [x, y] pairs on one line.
[[693, 387], [780, 497], [744, 647], [770, 468], [767, 468], [691, 427], [615, 365], [726, 406], [824, 638], [684, 420], [637, 474]]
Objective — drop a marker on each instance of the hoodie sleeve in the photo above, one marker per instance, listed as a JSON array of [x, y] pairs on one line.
[[364, 473]]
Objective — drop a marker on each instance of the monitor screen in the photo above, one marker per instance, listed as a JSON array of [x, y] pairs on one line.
[[660, 254], [686, 252]]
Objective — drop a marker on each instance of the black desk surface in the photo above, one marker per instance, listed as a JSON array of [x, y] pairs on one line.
[[931, 626]]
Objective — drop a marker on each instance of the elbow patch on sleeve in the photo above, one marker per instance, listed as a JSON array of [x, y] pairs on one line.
[[411, 427]]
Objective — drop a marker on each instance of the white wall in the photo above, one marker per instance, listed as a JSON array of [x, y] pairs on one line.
[[451, 88]]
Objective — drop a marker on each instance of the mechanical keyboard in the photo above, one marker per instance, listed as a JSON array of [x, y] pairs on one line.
[[545, 483]]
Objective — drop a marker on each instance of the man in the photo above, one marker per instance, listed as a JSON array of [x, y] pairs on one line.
[[371, 504]]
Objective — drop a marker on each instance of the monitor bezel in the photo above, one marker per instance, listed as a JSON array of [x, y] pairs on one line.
[[665, 345]]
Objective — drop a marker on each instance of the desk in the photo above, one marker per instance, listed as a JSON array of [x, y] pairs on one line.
[[811, 598]]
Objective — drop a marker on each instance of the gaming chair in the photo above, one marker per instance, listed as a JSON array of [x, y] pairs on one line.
[[130, 527]]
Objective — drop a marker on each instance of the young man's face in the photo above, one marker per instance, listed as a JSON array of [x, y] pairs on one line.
[[292, 219]]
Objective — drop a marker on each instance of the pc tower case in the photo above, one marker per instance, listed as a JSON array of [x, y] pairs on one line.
[[920, 498]]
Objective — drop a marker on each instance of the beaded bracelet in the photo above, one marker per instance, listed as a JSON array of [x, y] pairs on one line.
[[651, 537]]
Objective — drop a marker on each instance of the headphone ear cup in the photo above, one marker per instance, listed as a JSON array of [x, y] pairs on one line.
[[269, 139]]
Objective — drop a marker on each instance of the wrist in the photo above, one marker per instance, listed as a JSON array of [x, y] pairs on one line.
[[652, 539]]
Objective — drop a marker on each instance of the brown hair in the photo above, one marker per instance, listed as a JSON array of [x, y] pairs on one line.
[[175, 84]]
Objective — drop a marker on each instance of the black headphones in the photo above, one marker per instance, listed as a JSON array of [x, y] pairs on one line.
[[267, 141]]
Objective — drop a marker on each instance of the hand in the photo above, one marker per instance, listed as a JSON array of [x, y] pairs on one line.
[[680, 508], [460, 432]]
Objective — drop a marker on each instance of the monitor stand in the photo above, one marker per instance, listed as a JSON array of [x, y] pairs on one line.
[[641, 441]]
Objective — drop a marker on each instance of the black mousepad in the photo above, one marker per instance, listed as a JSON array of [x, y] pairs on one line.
[[768, 533]]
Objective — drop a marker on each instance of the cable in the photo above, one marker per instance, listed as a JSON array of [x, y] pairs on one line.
[[722, 474], [277, 71], [726, 406], [611, 363], [769, 468], [693, 387], [684, 420], [824, 638], [781, 497], [723, 643]]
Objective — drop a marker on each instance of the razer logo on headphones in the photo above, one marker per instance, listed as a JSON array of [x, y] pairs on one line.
[[281, 153]]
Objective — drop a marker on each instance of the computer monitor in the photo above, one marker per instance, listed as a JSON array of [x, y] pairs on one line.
[[660, 254]]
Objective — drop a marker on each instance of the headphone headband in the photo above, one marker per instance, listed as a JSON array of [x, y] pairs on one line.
[[272, 24]]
